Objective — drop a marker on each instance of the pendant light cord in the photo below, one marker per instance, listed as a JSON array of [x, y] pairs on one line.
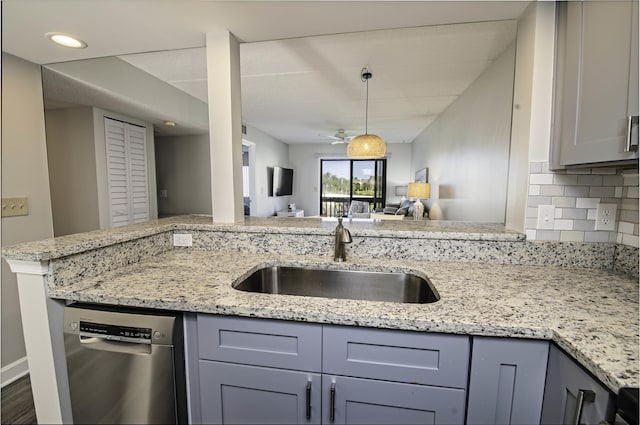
[[365, 75]]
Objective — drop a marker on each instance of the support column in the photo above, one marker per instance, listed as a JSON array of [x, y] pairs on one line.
[[44, 342], [225, 126]]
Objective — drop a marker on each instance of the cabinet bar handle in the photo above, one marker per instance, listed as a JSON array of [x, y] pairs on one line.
[[308, 400], [584, 396], [332, 407], [631, 120]]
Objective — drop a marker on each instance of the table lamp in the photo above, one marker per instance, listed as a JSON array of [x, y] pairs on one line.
[[418, 191]]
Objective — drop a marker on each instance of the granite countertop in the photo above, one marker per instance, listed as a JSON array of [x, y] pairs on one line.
[[425, 229], [591, 314]]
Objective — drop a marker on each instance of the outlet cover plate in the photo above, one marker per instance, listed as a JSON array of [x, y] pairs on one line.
[[182, 239], [546, 217], [606, 216]]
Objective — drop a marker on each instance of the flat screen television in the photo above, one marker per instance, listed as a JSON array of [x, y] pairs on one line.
[[282, 181]]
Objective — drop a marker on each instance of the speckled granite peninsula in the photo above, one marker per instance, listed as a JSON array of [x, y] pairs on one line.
[[491, 281]]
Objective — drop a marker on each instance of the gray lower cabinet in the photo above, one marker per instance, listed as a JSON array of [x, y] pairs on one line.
[[270, 371], [242, 394], [247, 370], [572, 396], [596, 83], [366, 401], [507, 379]]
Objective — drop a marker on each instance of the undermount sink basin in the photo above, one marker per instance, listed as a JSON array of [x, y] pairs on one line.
[[348, 284]]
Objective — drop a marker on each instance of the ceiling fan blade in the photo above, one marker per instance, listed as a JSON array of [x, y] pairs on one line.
[[338, 142]]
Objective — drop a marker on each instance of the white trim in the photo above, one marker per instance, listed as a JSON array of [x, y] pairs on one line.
[[14, 371], [29, 267]]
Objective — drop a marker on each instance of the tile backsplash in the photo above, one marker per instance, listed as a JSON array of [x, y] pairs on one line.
[[575, 194]]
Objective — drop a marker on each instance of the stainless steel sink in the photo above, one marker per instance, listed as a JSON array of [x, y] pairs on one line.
[[348, 284]]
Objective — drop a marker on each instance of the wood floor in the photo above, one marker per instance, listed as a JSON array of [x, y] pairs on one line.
[[17, 403]]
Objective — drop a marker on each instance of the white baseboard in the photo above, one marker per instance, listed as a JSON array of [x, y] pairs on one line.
[[14, 371]]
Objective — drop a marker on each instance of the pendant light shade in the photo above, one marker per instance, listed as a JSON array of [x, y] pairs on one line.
[[366, 146]]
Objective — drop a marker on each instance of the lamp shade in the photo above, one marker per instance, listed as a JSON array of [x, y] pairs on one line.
[[366, 146], [419, 190]]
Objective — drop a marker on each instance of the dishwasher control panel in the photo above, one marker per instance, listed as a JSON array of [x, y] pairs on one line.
[[115, 333]]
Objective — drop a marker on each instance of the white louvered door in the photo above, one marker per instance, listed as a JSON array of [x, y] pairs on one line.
[[126, 172]]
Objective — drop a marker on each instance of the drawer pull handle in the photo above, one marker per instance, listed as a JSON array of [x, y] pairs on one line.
[[584, 396], [332, 407], [631, 121], [308, 400]]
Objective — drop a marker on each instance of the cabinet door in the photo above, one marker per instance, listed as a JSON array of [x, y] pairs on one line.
[[565, 379], [594, 71], [239, 394], [367, 401], [506, 384]]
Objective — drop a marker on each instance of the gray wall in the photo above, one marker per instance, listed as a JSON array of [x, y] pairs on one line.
[[183, 169], [268, 152], [72, 170], [24, 173], [466, 149]]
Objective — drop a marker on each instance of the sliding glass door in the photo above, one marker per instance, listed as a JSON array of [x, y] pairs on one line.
[[347, 180]]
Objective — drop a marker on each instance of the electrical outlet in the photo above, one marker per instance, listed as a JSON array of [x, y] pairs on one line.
[[606, 216], [164, 193], [182, 239], [546, 217]]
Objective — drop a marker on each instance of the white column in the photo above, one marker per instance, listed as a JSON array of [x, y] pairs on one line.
[[44, 343], [225, 126]]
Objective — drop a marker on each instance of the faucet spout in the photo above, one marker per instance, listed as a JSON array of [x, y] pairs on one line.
[[342, 237]]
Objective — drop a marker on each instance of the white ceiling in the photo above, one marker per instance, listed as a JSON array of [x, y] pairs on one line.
[[296, 89]]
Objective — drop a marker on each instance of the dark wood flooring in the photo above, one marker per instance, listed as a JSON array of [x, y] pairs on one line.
[[17, 403]]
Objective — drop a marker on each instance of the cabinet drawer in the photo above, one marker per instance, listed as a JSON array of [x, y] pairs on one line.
[[271, 343], [413, 357]]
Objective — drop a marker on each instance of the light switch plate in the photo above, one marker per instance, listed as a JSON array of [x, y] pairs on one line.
[[606, 216], [546, 217], [12, 207]]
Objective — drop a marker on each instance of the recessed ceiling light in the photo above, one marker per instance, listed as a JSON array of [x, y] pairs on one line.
[[66, 40], [169, 123]]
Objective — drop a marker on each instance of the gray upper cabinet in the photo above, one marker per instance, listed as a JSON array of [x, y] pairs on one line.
[[596, 83], [507, 379], [572, 395]]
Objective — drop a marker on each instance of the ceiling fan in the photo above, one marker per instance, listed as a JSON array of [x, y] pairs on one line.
[[340, 137]]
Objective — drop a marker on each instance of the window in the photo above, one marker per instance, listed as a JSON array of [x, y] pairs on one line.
[[343, 181]]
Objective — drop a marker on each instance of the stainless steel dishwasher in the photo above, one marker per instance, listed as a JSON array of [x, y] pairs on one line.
[[124, 366]]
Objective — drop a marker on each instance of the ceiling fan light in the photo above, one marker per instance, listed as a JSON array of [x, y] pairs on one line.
[[366, 146]]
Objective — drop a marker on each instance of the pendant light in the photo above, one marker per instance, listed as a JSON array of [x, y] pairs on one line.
[[366, 146]]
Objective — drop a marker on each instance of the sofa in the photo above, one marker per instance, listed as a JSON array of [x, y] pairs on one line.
[[405, 208]]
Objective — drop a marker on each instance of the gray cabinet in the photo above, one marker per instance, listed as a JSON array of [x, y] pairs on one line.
[[507, 381], [367, 401], [568, 387], [384, 376], [258, 371], [241, 394], [270, 371], [596, 83]]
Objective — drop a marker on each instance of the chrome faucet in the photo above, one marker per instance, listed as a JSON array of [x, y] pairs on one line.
[[343, 236]]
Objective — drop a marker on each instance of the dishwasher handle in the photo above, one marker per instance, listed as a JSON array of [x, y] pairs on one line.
[[102, 344]]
